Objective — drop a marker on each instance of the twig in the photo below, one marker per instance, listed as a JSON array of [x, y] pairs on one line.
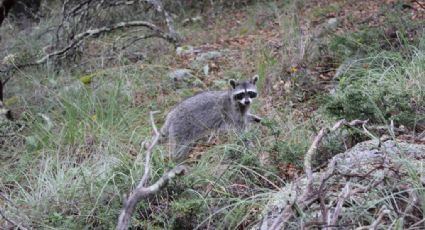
[[17, 225], [374, 225], [416, 225], [343, 196], [141, 191], [419, 3], [138, 38], [149, 151], [413, 200], [325, 177], [160, 8], [315, 145]]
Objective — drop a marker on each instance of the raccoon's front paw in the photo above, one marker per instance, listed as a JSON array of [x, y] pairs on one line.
[[257, 119], [254, 118]]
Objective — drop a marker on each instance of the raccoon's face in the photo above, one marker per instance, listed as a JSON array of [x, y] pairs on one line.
[[244, 92]]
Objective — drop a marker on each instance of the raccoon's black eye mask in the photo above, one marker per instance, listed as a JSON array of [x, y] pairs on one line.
[[241, 95]]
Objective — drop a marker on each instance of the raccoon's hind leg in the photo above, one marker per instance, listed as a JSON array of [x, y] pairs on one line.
[[178, 150], [182, 150]]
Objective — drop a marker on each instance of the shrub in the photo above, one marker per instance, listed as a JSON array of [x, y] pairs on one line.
[[384, 87]]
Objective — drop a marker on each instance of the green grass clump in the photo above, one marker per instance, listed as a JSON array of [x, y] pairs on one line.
[[380, 88], [289, 142]]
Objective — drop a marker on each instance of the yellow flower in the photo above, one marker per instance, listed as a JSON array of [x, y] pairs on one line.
[[86, 79], [294, 69]]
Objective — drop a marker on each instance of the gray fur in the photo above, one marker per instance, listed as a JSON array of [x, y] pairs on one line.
[[199, 115]]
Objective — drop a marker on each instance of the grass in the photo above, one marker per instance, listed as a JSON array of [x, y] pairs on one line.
[[382, 87]]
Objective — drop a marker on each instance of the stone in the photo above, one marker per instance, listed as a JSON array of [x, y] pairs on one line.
[[180, 74], [183, 50], [209, 56], [332, 23]]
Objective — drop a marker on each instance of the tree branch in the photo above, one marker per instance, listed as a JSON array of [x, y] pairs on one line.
[[149, 152], [141, 191], [3, 215], [81, 36], [287, 213], [170, 23], [17, 225]]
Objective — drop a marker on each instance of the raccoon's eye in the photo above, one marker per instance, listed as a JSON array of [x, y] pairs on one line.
[[252, 94], [239, 96]]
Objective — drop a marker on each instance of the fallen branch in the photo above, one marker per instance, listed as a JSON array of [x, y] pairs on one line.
[[301, 202], [315, 145], [141, 191], [341, 199], [419, 3], [79, 37], [3, 215], [13, 223], [92, 32], [170, 23], [384, 211]]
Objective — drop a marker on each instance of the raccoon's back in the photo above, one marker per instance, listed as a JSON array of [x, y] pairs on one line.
[[200, 112]]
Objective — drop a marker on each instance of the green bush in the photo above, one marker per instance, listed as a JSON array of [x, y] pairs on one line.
[[381, 88]]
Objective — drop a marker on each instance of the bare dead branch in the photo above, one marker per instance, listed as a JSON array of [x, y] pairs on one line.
[[416, 225], [419, 3], [384, 211], [3, 215], [80, 37], [75, 9], [314, 146], [136, 39], [170, 23], [325, 177], [341, 199], [307, 193], [149, 151], [141, 191], [1, 89], [16, 225]]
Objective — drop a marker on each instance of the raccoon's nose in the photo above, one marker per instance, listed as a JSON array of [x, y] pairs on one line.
[[247, 102]]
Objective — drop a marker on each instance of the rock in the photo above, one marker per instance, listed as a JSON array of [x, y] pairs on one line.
[[378, 168], [325, 28], [183, 50], [202, 59], [196, 19], [180, 74], [208, 56], [332, 23]]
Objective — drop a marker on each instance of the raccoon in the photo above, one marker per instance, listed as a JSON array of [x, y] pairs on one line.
[[209, 111]]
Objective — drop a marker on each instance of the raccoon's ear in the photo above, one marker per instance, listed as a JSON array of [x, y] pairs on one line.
[[232, 82], [254, 79]]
